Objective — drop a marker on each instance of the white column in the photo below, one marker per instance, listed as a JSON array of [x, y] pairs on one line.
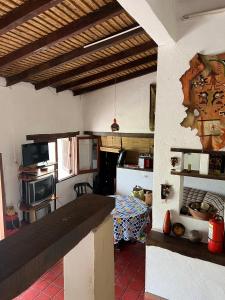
[[89, 267]]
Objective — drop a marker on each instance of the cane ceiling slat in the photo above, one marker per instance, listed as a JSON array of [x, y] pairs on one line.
[[61, 48], [7, 5], [117, 75], [100, 54], [107, 67], [55, 18]]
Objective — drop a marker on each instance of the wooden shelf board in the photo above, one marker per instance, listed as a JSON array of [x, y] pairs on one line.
[[122, 134], [24, 207], [136, 169], [196, 174], [185, 247], [110, 149], [186, 150]]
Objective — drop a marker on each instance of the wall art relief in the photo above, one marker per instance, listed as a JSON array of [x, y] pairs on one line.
[[203, 86]]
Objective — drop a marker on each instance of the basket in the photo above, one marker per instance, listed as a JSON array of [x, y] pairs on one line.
[[194, 210]]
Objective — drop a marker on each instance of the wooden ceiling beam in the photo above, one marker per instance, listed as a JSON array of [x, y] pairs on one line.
[[112, 71], [96, 64], [76, 27], [116, 80], [25, 12], [75, 54]]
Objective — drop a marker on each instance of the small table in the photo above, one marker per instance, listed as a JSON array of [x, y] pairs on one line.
[[130, 217], [30, 212]]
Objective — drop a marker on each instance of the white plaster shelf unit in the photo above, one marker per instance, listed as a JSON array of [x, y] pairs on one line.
[[182, 171], [211, 183]]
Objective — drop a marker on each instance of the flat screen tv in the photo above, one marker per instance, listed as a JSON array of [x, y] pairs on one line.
[[34, 192], [34, 153]]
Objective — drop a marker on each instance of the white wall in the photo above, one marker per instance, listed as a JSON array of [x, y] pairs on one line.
[[205, 35], [132, 106], [174, 276], [89, 267], [26, 111]]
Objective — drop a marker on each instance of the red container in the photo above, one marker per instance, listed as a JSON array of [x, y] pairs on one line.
[[216, 235], [167, 223]]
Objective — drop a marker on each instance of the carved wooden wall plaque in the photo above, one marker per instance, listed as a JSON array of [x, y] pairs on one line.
[[203, 86]]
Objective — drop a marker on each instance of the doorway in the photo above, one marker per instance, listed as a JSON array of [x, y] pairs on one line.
[[2, 201]]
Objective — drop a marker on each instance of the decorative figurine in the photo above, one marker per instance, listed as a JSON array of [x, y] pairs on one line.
[[195, 236], [165, 191], [174, 162]]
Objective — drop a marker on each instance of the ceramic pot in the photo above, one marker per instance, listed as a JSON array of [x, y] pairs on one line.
[[167, 223]]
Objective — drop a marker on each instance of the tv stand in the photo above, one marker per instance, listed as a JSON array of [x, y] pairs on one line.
[[30, 213], [34, 173]]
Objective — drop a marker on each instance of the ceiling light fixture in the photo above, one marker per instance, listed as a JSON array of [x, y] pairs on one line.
[[115, 126], [111, 37], [203, 13]]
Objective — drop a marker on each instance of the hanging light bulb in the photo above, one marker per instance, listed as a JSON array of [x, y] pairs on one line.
[[115, 126]]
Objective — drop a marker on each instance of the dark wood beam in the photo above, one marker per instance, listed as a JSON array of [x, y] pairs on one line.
[[29, 253], [113, 81], [76, 27], [135, 63], [121, 134], [74, 54], [25, 12], [51, 136], [95, 64]]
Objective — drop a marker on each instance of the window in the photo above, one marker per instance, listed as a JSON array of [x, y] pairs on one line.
[[73, 155], [63, 152], [87, 154]]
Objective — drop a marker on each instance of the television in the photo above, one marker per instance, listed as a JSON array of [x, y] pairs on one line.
[[34, 153], [34, 192]]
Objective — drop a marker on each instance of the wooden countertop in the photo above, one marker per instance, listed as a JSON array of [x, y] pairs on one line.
[[185, 247], [29, 253]]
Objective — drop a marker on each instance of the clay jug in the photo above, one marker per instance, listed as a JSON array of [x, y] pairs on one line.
[[167, 223]]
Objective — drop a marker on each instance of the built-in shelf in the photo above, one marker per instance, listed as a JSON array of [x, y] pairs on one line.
[[186, 150], [185, 247], [194, 173]]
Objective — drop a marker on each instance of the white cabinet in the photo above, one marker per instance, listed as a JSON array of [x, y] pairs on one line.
[[126, 179]]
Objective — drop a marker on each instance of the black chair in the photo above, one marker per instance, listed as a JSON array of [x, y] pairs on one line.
[[82, 188]]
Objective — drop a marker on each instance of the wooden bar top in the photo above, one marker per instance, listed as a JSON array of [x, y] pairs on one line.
[[185, 247], [29, 253]]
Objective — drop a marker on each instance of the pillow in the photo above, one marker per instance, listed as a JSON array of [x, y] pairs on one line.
[[192, 195], [217, 201]]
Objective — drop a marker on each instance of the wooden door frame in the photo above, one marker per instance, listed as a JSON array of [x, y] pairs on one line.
[[2, 201]]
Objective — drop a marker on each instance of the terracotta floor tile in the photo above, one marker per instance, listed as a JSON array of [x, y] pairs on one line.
[[59, 281], [42, 296], [51, 290], [119, 291], [31, 293], [41, 284], [137, 284], [51, 276], [130, 295], [59, 296]]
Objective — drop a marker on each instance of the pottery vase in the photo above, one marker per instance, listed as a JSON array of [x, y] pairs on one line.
[[167, 223]]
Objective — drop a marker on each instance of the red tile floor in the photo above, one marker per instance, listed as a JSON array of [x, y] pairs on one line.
[[129, 277]]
